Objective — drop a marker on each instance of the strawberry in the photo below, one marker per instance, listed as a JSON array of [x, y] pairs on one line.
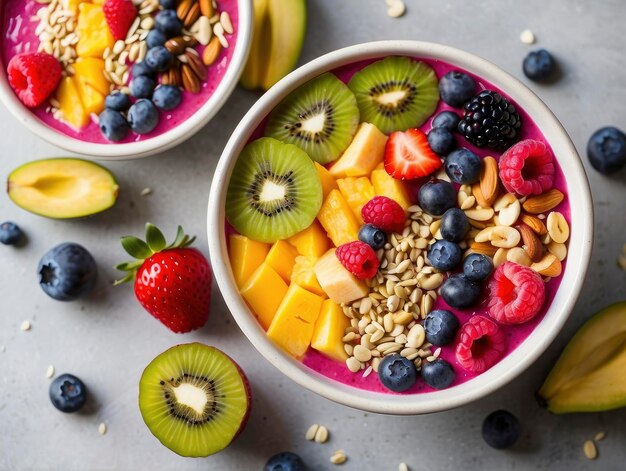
[[408, 155], [119, 15], [172, 283], [33, 77]]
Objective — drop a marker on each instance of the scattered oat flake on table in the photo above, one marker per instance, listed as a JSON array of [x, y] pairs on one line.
[[146, 191], [621, 259], [321, 435], [600, 436], [339, 457], [590, 450], [527, 37], [403, 467], [395, 8], [102, 428], [50, 372], [25, 326], [310, 433]]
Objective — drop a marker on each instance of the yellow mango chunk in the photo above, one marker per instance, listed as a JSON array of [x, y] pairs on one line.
[[294, 321], [357, 192], [386, 185], [311, 242], [338, 219], [93, 31], [90, 70], [71, 105], [92, 99], [281, 258], [329, 330], [364, 153], [327, 180], [246, 255], [264, 292], [304, 275], [338, 283]]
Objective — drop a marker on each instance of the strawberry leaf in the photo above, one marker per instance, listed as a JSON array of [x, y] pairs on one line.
[[126, 279], [180, 237], [155, 238], [136, 248]]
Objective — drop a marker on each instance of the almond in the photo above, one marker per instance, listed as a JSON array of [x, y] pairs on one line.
[[545, 202], [549, 265], [192, 15], [211, 52], [478, 194], [191, 83], [531, 241], [489, 181], [484, 248], [535, 224], [183, 8], [206, 8], [196, 64], [176, 45]]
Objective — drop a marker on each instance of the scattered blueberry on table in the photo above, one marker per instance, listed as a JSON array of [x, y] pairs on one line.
[[10, 233], [67, 272], [501, 429], [68, 393], [606, 150]]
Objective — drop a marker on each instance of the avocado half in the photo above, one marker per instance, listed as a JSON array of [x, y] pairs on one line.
[[590, 374], [62, 188]]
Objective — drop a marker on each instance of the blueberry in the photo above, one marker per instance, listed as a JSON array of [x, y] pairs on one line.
[[10, 233], [456, 88], [447, 120], [155, 38], [438, 374], [436, 197], [372, 236], [477, 267], [538, 65], [167, 97], [397, 373], [117, 101], [168, 23], [444, 255], [459, 292], [441, 141], [113, 125], [67, 272], [501, 429], [606, 150], [454, 225], [463, 166], [441, 327], [67, 393], [141, 68], [168, 4], [142, 86], [143, 116], [285, 461], [159, 58]]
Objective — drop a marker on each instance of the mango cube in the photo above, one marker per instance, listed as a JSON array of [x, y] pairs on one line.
[[294, 322], [329, 330], [386, 185], [93, 31], [311, 242], [357, 192], [264, 292], [364, 153], [338, 219], [281, 258], [338, 283], [327, 180], [71, 105], [304, 275], [90, 70], [246, 255]]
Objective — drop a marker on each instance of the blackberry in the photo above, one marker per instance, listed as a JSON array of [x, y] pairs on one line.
[[490, 120]]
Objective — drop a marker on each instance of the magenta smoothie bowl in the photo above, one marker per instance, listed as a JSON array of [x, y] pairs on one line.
[[397, 227], [120, 78]]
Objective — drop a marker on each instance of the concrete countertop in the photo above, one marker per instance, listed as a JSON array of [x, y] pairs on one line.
[[108, 339]]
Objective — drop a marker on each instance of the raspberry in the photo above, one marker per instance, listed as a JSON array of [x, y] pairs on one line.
[[119, 15], [359, 258], [384, 213], [527, 168], [33, 77], [516, 294], [481, 344]]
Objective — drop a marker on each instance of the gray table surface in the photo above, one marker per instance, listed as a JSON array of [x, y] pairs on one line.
[[108, 339]]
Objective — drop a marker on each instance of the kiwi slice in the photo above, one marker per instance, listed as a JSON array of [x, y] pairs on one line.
[[194, 399], [320, 117], [396, 93], [274, 191]]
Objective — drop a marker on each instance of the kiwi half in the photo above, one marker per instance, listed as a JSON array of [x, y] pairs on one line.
[[320, 117], [274, 191], [194, 399], [396, 93]]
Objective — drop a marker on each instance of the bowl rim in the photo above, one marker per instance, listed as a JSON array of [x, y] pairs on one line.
[[518, 360], [160, 143]]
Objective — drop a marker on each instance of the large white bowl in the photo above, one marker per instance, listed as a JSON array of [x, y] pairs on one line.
[[509, 367], [160, 143]]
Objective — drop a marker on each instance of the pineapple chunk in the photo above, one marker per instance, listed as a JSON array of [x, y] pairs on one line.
[[364, 153], [338, 283], [281, 258], [327, 180], [329, 330], [246, 255], [338, 220], [357, 192], [386, 185], [264, 292], [311, 242], [304, 275], [293, 324], [93, 31]]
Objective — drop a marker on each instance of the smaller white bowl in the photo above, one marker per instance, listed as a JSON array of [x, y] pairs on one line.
[[160, 143], [512, 365]]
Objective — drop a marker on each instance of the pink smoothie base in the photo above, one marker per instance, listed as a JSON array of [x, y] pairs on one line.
[[515, 334], [18, 35]]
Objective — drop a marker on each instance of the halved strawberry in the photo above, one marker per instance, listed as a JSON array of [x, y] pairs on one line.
[[408, 155]]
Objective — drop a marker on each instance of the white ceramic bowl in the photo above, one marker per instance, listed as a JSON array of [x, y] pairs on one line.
[[509, 367], [160, 143]]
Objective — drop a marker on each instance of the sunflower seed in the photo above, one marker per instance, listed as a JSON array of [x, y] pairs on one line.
[[310, 433], [338, 457], [321, 435]]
